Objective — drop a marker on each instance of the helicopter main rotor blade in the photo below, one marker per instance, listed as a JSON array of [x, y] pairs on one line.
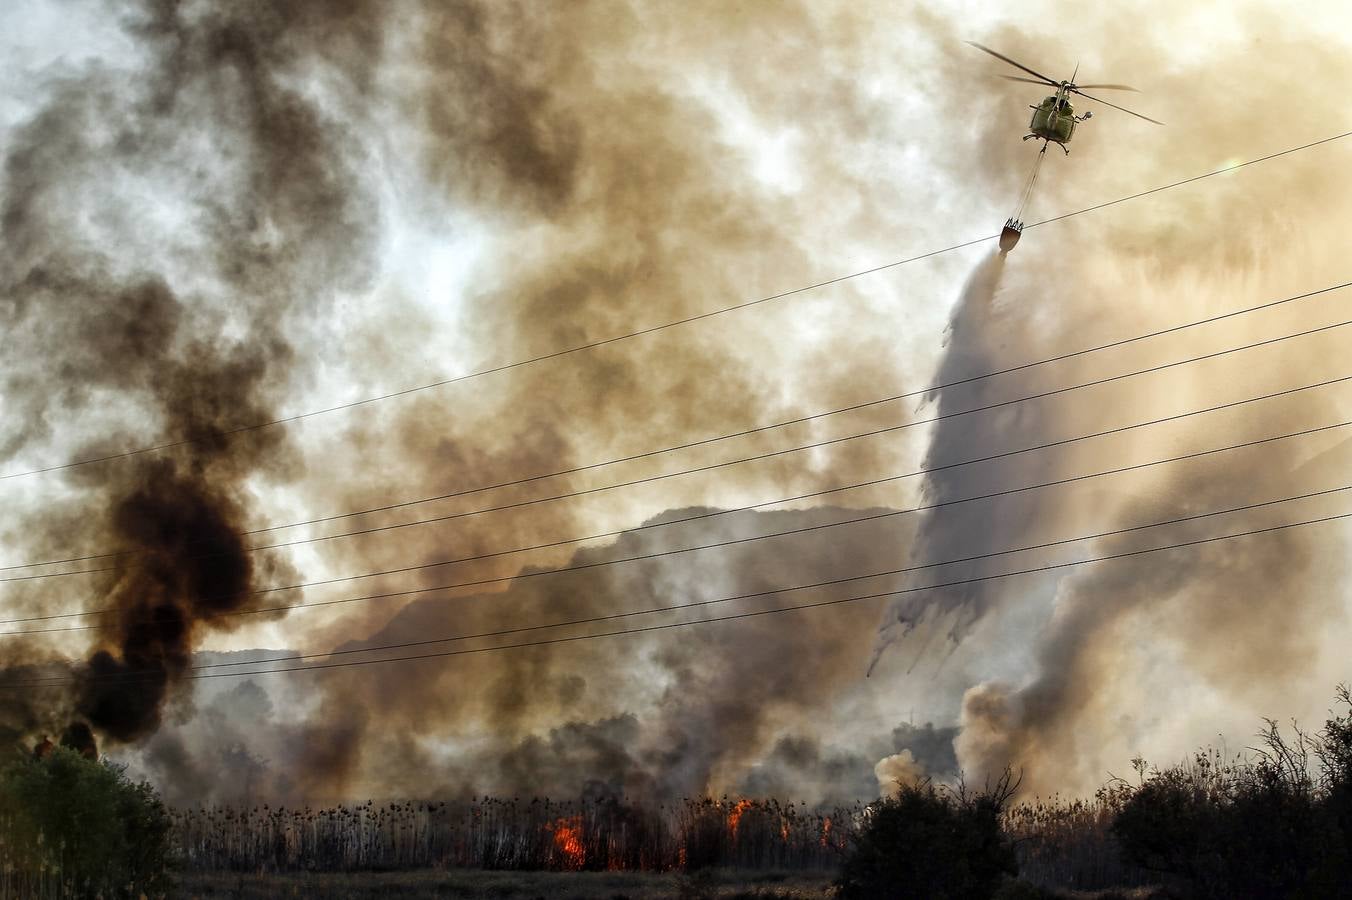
[[1109, 87], [1114, 106], [1017, 65], [1024, 80]]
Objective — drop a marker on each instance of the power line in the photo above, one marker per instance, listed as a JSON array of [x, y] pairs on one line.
[[656, 328], [1175, 184], [767, 593], [732, 541], [726, 463], [743, 615], [715, 513], [724, 543]]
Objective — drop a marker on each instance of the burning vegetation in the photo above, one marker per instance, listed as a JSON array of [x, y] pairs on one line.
[[572, 855], [620, 198], [1272, 825], [492, 833]]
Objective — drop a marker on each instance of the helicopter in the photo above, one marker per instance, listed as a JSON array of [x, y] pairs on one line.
[[1053, 122]]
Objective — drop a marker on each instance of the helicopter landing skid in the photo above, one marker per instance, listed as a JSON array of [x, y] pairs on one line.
[[1045, 142]]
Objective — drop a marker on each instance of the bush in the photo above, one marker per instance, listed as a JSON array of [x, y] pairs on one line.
[[84, 823], [1168, 823], [932, 843], [1276, 828], [1022, 890]]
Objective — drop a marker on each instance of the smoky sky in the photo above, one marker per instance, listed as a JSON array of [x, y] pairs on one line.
[[222, 222], [189, 329]]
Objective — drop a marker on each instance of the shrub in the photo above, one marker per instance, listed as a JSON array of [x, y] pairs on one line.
[[933, 843], [1277, 827], [1022, 890], [84, 822], [1168, 822]]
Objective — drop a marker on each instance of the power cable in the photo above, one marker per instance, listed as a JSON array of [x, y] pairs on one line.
[[712, 466], [591, 345], [743, 615], [724, 543], [799, 587]]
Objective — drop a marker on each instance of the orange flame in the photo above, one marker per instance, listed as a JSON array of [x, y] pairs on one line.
[[826, 830], [568, 841], [735, 816]]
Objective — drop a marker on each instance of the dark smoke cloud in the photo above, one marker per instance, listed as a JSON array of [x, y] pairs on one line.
[[600, 152], [624, 204], [579, 719], [185, 329], [722, 692]]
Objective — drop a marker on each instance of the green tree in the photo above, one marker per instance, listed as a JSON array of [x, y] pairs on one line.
[[85, 821]]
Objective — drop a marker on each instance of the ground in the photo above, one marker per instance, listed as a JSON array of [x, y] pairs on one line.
[[473, 883], [465, 883]]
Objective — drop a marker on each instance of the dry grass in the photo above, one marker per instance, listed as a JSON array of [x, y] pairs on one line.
[[506, 885], [500, 834], [1059, 843], [1069, 844]]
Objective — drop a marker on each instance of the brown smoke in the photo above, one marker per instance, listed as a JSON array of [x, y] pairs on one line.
[[185, 330], [596, 169], [1241, 623], [624, 206]]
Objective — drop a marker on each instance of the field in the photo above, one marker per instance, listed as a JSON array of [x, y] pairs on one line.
[[427, 884], [1066, 844], [1272, 824], [512, 834], [477, 883]]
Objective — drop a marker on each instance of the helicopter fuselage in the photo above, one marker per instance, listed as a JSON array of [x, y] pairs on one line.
[[1054, 119], [1053, 122]]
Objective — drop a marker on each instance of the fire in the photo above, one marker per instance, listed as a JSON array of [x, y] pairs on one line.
[[826, 831], [735, 816], [568, 841]]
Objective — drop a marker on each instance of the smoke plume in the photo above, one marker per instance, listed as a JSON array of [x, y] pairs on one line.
[[225, 215], [168, 229]]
